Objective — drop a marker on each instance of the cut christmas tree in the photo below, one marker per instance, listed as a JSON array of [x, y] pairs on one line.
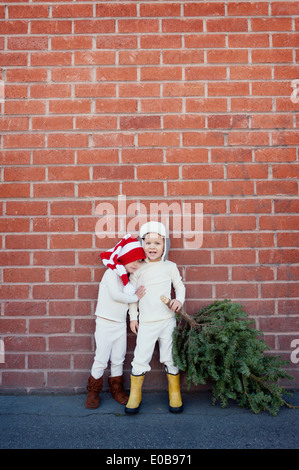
[[219, 345]]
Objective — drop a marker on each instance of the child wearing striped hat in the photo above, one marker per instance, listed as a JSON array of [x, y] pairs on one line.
[[115, 294]]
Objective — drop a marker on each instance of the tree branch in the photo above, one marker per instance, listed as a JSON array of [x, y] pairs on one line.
[[193, 323]]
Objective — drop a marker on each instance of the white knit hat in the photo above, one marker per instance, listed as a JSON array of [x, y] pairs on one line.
[[126, 251], [156, 227]]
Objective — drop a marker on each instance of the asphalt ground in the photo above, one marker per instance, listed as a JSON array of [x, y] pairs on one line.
[[59, 422]]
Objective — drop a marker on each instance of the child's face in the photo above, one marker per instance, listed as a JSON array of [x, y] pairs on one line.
[[153, 245], [132, 267]]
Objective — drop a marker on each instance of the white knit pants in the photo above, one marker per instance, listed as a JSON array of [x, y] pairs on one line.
[[148, 334], [111, 343]]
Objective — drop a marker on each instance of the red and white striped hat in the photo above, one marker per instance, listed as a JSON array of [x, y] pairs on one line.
[[126, 251]]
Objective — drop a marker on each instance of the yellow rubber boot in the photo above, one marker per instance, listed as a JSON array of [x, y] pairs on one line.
[[175, 399], [135, 397]]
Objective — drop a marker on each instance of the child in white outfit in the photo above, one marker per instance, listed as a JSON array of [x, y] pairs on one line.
[[115, 295], [156, 320]]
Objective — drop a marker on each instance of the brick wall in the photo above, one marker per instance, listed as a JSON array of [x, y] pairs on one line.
[[158, 101]]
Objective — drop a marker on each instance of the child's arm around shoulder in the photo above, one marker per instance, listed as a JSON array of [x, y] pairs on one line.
[[116, 294]]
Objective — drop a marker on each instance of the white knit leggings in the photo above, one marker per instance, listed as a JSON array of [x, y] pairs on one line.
[[148, 334], [111, 343]]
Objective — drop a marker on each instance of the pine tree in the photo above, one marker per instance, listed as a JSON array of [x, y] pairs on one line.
[[219, 344]]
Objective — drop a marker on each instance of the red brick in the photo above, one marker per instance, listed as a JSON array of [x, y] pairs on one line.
[[98, 189], [206, 9], [185, 121], [20, 274], [44, 361], [257, 240], [70, 343], [68, 140], [97, 156], [138, 26], [70, 241], [15, 380], [160, 41], [156, 9], [13, 258], [27, 43], [71, 74], [219, 121], [207, 105], [231, 257], [48, 190], [26, 242], [113, 140], [14, 225], [14, 27], [28, 107], [69, 308], [203, 138], [227, 24], [146, 172], [26, 75], [117, 41], [188, 188], [53, 258], [161, 73], [275, 154], [143, 188], [253, 72], [236, 291], [50, 91], [271, 24], [14, 124], [51, 291], [278, 256], [14, 58], [14, 292], [251, 104], [182, 25], [116, 106], [12, 326], [35, 11], [203, 172], [46, 224], [94, 26], [71, 42], [115, 10], [160, 139], [252, 273], [51, 58], [68, 173], [233, 56], [277, 187], [51, 27], [71, 11], [24, 174], [142, 155]]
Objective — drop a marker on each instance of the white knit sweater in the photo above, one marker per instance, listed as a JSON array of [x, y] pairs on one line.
[[157, 278], [112, 303]]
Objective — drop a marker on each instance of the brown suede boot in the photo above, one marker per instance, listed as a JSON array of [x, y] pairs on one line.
[[94, 387], [117, 390]]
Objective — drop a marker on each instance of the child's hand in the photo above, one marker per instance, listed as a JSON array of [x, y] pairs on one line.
[[175, 305], [140, 292], [134, 326]]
